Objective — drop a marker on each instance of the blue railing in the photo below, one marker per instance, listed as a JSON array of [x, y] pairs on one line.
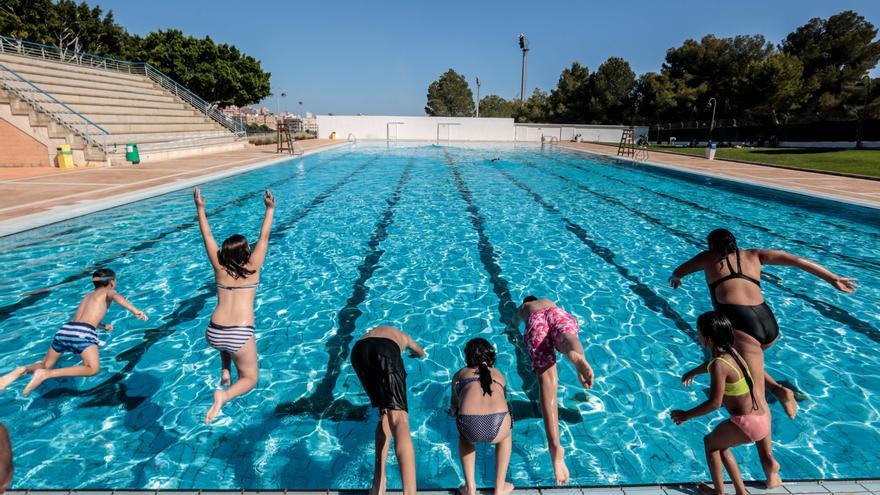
[[53, 53], [33, 95]]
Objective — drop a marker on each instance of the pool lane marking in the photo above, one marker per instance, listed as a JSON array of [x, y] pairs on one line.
[[873, 266], [506, 308], [32, 297], [826, 309], [651, 299], [187, 310], [320, 402]]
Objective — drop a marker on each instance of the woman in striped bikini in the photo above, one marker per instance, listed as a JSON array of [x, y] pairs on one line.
[[231, 330]]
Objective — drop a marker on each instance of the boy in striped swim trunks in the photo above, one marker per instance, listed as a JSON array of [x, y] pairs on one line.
[[549, 329], [78, 336]]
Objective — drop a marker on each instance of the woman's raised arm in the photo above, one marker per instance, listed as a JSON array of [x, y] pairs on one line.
[[259, 254], [210, 244], [776, 257]]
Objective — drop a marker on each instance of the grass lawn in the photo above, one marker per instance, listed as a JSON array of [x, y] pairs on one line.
[[861, 162]]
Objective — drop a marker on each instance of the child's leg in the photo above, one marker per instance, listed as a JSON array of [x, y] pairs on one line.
[[783, 394], [502, 461], [48, 362], [717, 445], [468, 455], [90, 367], [403, 448], [383, 441], [245, 360], [225, 369], [771, 467], [569, 345], [548, 380]]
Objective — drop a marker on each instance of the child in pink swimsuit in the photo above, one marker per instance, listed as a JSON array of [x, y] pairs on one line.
[[733, 387], [550, 329]]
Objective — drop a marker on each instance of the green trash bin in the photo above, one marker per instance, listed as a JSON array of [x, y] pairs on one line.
[[131, 153]]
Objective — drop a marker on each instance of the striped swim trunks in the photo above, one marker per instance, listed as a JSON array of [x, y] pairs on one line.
[[75, 337], [229, 339]]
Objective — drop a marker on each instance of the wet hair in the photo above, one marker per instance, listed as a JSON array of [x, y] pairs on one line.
[[718, 329], [529, 299], [234, 254], [479, 353], [722, 242], [5, 459], [102, 277]]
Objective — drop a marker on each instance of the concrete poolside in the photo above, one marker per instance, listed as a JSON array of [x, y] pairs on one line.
[[35, 196], [863, 487], [864, 192], [32, 197]]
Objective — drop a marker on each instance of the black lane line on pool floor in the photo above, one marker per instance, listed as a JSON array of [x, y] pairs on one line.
[[107, 393], [651, 299], [320, 403], [826, 309], [32, 297], [861, 262], [506, 308]]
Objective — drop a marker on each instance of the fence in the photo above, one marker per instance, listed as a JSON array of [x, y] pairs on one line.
[[728, 131]]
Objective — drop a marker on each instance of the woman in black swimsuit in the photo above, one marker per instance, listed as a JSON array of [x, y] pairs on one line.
[[734, 282]]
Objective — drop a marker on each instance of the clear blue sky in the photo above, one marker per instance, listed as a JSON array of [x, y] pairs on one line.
[[372, 57]]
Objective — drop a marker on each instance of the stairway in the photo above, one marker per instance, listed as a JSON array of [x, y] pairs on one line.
[[97, 112], [627, 146]]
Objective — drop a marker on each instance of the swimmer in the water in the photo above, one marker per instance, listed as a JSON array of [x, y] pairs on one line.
[[78, 336], [495, 159]]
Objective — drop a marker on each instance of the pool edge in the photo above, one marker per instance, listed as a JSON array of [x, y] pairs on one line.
[[753, 183], [67, 212]]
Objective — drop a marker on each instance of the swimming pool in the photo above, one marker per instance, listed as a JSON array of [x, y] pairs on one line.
[[441, 242]]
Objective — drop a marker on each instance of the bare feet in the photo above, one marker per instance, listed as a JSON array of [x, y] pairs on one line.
[[706, 489], [10, 377], [786, 398], [219, 400], [225, 378], [38, 378], [464, 490], [773, 479], [559, 467], [505, 489], [584, 372]]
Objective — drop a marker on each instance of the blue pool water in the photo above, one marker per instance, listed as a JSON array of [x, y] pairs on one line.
[[441, 242]]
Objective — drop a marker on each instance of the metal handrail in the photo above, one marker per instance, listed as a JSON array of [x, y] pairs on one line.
[[30, 93], [53, 53]]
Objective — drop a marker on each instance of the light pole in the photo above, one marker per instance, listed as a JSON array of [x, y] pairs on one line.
[[478, 97], [866, 82], [714, 103], [524, 46], [277, 104]]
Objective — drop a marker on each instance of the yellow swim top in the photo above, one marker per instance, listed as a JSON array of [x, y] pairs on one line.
[[737, 388]]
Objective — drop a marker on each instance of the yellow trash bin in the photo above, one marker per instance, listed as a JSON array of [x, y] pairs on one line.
[[333, 135], [65, 156]]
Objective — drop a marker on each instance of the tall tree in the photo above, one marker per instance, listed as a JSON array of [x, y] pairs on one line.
[[496, 106], [836, 53], [612, 88], [778, 90], [450, 96], [568, 101], [534, 109]]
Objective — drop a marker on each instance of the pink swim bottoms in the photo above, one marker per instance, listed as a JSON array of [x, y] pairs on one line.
[[755, 426], [542, 330]]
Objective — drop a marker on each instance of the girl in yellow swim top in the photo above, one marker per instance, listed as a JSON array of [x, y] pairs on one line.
[[733, 387]]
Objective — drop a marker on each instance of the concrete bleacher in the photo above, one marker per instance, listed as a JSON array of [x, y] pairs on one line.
[[131, 108]]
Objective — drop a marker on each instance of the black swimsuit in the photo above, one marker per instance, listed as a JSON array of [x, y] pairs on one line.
[[757, 321]]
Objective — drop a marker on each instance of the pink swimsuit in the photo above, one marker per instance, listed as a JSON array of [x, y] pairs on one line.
[[542, 329], [755, 426]]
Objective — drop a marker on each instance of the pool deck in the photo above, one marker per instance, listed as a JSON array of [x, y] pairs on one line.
[[866, 487], [31, 197], [863, 192]]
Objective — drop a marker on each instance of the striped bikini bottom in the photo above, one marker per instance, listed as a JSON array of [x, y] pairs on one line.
[[228, 338]]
